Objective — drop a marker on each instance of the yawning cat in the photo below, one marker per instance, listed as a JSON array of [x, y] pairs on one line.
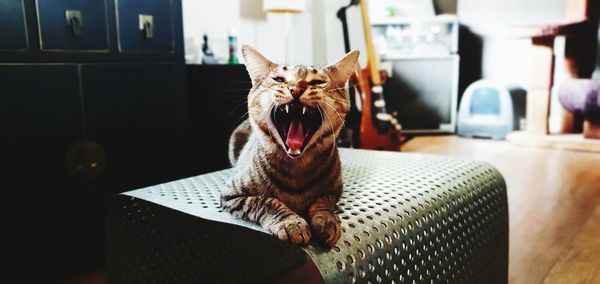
[[286, 164]]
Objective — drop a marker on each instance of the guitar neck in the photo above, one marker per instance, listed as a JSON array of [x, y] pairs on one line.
[[372, 60]]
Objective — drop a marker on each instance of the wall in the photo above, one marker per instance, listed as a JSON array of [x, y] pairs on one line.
[[264, 31], [333, 43], [316, 35], [505, 57]]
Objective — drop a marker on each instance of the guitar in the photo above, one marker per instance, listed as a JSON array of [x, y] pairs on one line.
[[349, 136], [378, 129]]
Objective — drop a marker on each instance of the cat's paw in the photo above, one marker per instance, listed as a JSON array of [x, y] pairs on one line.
[[293, 229], [326, 227]]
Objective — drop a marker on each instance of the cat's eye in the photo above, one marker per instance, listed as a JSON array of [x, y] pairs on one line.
[[316, 82], [279, 79]]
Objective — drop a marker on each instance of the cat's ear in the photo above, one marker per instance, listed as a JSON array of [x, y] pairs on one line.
[[257, 65], [340, 71]]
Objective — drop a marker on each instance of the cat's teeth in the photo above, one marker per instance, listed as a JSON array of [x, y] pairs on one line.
[[296, 152], [287, 108], [303, 110]]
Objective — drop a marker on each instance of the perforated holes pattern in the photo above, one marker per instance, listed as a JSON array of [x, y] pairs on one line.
[[148, 243], [418, 219], [406, 218]]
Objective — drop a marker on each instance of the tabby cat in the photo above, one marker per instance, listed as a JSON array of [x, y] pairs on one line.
[[286, 168]]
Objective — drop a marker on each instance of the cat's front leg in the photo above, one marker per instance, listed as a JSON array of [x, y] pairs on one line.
[[323, 220], [271, 214]]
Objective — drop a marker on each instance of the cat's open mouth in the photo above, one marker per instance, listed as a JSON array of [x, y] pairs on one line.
[[296, 124]]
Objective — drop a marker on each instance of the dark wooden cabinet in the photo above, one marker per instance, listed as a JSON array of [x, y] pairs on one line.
[[218, 104], [40, 101], [72, 25], [153, 18], [137, 114], [13, 28], [13, 34], [147, 100], [93, 101]]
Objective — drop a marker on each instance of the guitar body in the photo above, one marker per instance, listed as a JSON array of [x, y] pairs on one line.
[[378, 129], [369, 136]]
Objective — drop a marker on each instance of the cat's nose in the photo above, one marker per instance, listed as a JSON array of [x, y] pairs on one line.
[[296, 91]]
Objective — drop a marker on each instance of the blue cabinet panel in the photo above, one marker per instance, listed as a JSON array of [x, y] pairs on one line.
[[72, 25], [131, 16], [13, 33], [90, 105]]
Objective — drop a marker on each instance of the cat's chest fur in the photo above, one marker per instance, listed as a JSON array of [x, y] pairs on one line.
[[295, 182]]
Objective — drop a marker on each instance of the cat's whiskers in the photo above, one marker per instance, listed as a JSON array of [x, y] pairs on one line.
[[336, 112], [343, 94], [241, 118], [275, 116], [269, 110], [344, 103], [330, 124], [238, 107], [322, 118], [336, 89], [266, 110], [343, 98]]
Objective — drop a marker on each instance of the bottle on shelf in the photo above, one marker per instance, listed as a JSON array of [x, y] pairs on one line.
[[232, 39]]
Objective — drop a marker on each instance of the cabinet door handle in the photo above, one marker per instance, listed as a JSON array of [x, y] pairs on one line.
[[147, 25], [75, 21]]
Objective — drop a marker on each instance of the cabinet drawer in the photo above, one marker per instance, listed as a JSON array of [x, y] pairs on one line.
[[75, 25], [13, 31], [145, 26]]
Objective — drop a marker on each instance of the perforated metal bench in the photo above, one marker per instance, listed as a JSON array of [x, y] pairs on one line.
[[406, 218]]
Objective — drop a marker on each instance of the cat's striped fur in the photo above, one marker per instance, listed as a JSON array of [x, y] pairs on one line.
[[271, 183]]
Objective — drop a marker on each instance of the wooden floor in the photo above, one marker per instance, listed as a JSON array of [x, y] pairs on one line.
[[554, 206]]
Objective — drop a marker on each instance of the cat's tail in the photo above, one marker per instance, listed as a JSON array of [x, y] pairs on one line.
[[238, 139]]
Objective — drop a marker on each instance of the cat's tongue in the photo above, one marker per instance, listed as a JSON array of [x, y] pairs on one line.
[[295, 137]]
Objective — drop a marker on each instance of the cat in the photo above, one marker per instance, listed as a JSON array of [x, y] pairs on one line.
[[285, 161]]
